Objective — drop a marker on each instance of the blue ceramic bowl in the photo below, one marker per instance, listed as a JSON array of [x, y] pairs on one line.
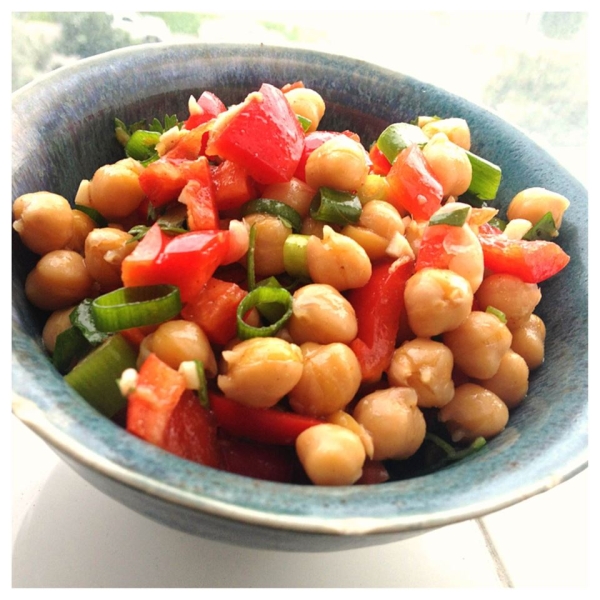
[[63, 131]]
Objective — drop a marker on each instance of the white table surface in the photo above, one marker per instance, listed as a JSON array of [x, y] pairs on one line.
[[67, 534]]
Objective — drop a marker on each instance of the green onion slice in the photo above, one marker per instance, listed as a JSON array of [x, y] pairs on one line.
[[203, 387], [263, 295], [398, 136], [334, 206], [295, 261], [93, 214], [271, 311], [82, 317], [141, 144], [250, 258], [70, 347], [497, 222], [95, 377], [304, 122], [456, 217], [451, 453], [497, 313], [486, 177], [136, 306], [545, 229], [286, 213]]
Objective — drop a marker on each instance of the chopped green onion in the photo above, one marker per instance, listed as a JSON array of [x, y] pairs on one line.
[[304, 122], [202, 388], [397, 137], [544, 229], [139, 231], [334, 206], [82, 317], [70, 347], [95, 377], [141, 144], [286, 213], [93, 214], [263, 295], [456, 217], [485, 179], [136, 306], [497, 222], [451, 453], [250, 255], [271, 311], [496, 313], [295, 261]]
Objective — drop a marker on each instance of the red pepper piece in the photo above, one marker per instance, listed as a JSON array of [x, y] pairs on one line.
[[233, 185], [214, 310], [431, 248], [532, 261], [374, 472], [150, 405], [192, 432], [413, 186], [262, 134], [380, 164], [379, 306], [260, 461], [211, 105], [188, 260], [198, 195], [265, 425]]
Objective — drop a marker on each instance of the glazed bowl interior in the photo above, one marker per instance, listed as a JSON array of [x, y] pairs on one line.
[[63, 129]]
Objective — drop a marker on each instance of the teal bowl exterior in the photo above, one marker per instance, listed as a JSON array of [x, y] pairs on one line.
[[62, 130]]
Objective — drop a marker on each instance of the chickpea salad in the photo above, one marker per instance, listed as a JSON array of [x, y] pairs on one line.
[[258, 295]]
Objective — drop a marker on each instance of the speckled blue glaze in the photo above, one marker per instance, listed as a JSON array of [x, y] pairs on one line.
[[63, 130]]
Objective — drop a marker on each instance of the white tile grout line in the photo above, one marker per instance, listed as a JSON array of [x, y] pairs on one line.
[[501, 571]]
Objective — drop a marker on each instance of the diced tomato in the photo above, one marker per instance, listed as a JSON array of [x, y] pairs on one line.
[[260, 461], [379, 306], [187, 260], [265, 425], [198, 195], [262, 134], [380, 165], [413, 186], [192, 432], [233, 185], [150, 405], [214, 310], [432, 252], [531, 261]]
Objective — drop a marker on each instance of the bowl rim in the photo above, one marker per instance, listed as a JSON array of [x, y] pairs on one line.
[[57, 433]]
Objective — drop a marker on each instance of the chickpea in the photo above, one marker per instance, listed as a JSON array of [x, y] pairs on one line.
[[260, 371], [57, 322], [449, 163], [478, 344], [60, 279], [375, 187], [82, 197], [509, 294], [372, 243], [528, 341], [382, 218], [321, 314], [339, 163], [337, 260], [308, 104], [394, 421], [82, 226], [271, 233], [311, 226], [44, 221], [115, 190], [517, 228], [177, 341], [344, 419], [294, 193], [511, 381], [436, 300], [426, 366], [331, 454], [105, 248], [414, 232], [457, 130], [533, 203], [474, 412], [330, 378]]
